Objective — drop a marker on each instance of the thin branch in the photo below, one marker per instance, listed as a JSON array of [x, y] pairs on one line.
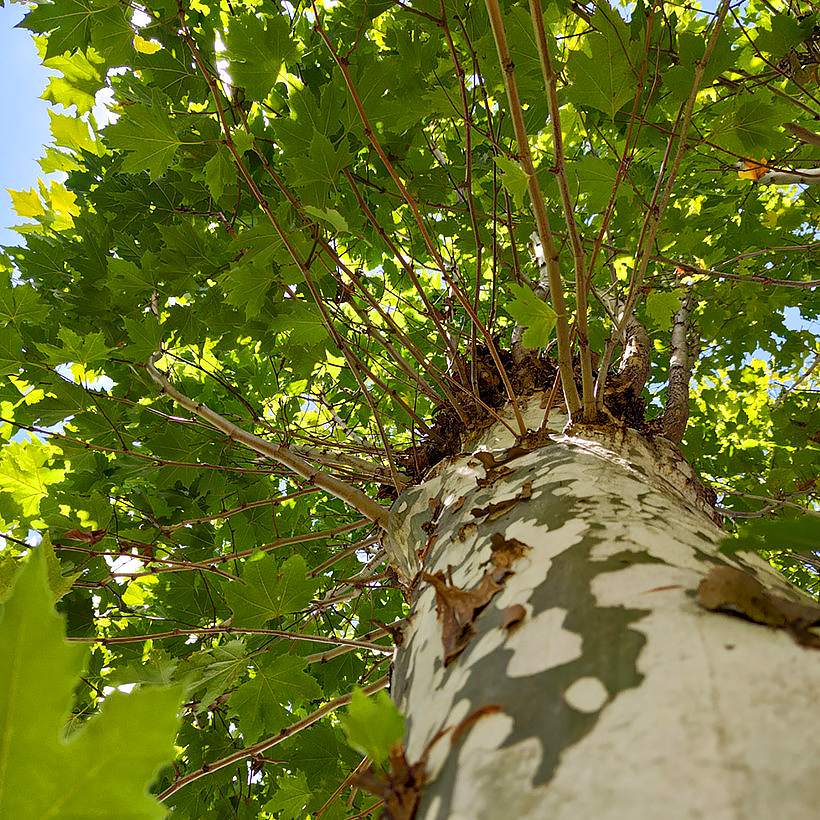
[[541, 218], [285, 542], [286, 457], [797, 382], [462, 298], [374, 634], [560, 171], [229, 630], [660, 199], [772, 504], [635, 362], [267, 743]]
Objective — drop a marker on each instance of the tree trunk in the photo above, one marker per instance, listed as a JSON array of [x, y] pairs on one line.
[[582, 678]]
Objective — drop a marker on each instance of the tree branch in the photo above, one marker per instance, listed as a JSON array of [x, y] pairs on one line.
[[350, 495], [635, 362], [676, 411], [263, 745], [560, 171], [541, 218], [660, 198]]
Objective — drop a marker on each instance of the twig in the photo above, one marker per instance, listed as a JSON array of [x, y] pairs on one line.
[[267, 743], [278, 452], [560, 171], [541, 218], [797, 382], [231, 630]]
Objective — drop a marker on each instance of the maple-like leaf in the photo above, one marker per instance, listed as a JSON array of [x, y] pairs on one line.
[[101, 770], [24, 474], [530, 312], [604, 82], [76, 24], [270, 589], [147, 133], [513, 178], [661, 305], [85, 350], [265, 703], [373, 725], [258, 52]]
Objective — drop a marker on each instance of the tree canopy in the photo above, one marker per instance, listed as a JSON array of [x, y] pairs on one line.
[[299, 248]]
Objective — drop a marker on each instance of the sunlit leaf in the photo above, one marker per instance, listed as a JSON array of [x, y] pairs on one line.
[[38, 674]]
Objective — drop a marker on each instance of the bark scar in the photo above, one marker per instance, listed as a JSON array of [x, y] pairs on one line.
[[735, 592]]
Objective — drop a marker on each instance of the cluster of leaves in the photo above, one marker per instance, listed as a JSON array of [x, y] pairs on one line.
[[316, 212]]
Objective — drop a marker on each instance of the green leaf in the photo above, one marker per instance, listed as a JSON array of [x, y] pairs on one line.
[[217, 670], [784, 33], [24, 475], [245, 286], [114, 756], [145, 335], [79, 81], [71, 133], [291, 797], [331, 216], [793, 532], [323, 163], [20, 305], [85, 350], [513, 179], [373, 725], [603, 81], [147, 133], [220, 172], [530, 312], [596, 178], [266, 702], [661, 306], [269, 590], [756, 123], [58, 582], [69, 21], [11, 351], [303, 322], [258, 52]]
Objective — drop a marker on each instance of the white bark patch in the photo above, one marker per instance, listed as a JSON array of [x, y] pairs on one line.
[[586, 695], [541, 643], [616, 696]]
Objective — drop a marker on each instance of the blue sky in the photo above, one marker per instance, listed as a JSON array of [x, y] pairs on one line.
[[26, 129]]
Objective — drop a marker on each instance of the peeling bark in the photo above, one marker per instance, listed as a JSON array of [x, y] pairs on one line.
[[635, 362], [635, 359], [592, 684]]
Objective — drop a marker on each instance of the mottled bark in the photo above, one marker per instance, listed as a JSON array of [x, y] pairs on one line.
[[582, 678], [635, 361], [676, 409]]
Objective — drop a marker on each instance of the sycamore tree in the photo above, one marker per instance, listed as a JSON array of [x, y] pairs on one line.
[[367, 346]]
